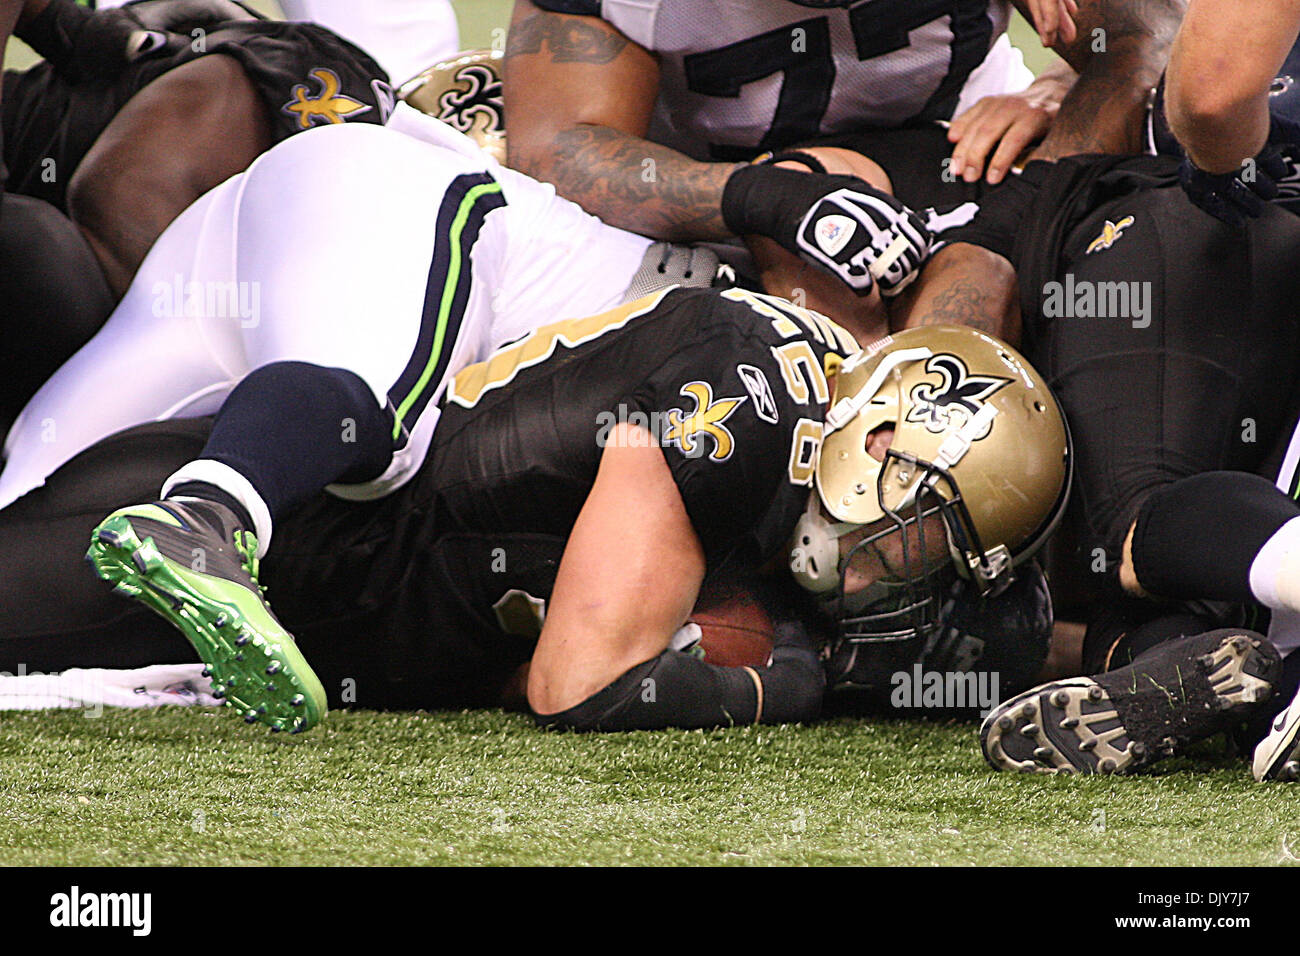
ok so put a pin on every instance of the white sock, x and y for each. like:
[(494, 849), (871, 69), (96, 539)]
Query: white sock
[(1275, 572), (233, 484)]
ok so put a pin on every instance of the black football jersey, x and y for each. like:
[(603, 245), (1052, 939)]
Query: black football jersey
[(731, 384), (305, 74)]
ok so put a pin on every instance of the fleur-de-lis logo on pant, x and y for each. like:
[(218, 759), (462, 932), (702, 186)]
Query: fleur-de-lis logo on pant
[(684, 430), (329, 106)]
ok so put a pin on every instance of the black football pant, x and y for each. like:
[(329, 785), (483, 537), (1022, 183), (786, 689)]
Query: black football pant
[(1201, 383)]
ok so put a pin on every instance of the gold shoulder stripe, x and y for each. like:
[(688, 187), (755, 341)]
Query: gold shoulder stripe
[(475, 381)]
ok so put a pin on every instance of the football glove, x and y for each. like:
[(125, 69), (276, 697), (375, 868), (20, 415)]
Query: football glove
[(1240, 195), (839, 223)]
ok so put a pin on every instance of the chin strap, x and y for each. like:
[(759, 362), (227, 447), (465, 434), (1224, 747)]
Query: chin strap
[(846, 409)]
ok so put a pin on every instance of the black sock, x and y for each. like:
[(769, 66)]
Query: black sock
[(292, 428), (201, 489)]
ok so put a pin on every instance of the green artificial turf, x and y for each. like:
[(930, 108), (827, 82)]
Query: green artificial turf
[(196, 788)]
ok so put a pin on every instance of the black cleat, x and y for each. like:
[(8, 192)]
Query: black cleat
[(1177, 693)]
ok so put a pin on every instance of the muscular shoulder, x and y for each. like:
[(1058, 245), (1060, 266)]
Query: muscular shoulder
[(738, 413)]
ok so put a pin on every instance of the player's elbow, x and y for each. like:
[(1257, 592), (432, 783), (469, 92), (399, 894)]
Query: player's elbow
[(1200, 108)]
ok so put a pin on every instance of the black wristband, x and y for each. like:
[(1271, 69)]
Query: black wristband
[(768, 201), (792, 156)]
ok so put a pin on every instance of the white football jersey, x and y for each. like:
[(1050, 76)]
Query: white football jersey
[(742, 76)]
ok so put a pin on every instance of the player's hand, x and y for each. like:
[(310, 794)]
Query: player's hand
[(112, 39), (1239, 195), (794, 681), (1004, 125), (170, 15), (839, 223), (1054, 20)]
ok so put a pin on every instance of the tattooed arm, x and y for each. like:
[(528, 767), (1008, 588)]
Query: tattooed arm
[(962, 284), (579, 95), (1119, 51)]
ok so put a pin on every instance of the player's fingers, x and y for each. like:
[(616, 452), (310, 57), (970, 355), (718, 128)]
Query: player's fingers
[(1013, 143), (958, 130), (958, 126), (975, 145), (1068, 31), (1045, 14)]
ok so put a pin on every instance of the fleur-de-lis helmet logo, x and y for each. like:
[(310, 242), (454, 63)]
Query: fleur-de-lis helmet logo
[(480, 98), (954, 399)]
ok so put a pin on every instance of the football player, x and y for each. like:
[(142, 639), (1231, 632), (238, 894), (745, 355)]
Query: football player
[(639, 112), (414, 236), (133, 115), (1167, 336), (222, 290), (581, 487)]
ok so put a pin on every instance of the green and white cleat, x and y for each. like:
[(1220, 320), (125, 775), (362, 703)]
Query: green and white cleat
[(193, 564)]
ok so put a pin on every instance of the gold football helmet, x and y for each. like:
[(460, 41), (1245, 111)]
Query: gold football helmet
[(978, 439), (465, 93)]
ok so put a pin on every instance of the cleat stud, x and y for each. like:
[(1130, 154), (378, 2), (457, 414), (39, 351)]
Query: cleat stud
[(297, 700), (272, 688), (221, 620), (239, 657), (1137, 748), (1029, 730), (273, 667), (206, 672), (1095, 693), (1028, 710), (275, 728), (250, 717), (1043, 753), (1059, 698), (241, 640), (1088, 744), (1107, 765), (1240, 643), (1069, 723)]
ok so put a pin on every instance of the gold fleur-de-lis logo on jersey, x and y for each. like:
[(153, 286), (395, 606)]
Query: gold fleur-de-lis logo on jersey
[(684, 430), (1110, 234), (326, 107)]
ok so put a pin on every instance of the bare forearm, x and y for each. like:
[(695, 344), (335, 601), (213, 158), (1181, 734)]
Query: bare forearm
[(962, 284), (1120, 53), (1222, 65), (634, 184)]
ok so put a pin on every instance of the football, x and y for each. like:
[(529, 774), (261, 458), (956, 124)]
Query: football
[(735, 631)]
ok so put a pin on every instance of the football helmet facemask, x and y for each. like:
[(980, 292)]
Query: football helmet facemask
[(979, 447), (465, 93)]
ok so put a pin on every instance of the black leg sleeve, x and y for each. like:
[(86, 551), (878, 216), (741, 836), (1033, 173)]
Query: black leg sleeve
[(1197, 538)]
